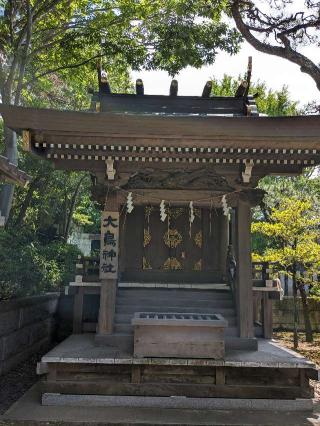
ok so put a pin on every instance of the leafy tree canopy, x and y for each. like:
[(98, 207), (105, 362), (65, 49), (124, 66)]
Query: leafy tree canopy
[(293, 232), (45, 42), (270, 102), (48, 37)]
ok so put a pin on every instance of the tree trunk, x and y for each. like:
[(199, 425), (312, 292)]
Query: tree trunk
[(72, 207), (295, 310), (11, 152), (36, 183), (306, 313)]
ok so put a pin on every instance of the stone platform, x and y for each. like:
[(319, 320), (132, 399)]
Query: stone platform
[(78, 367), (29, 411)]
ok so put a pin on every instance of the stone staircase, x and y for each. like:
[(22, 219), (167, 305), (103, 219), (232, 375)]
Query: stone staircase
[(182, 300)]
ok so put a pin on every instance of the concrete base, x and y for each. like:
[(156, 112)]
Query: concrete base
[(177, 402), (82, 348), (124, 342), (29, 411)]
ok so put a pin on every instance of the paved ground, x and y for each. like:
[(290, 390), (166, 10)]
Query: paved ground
[(15, 383), (29, 408)]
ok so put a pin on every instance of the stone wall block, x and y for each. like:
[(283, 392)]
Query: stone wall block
[(52, 306), (9, 321), (35, 313), (1, 349), (16, 342), (283, 314), (41, 330), (26, 326), (13, 360)]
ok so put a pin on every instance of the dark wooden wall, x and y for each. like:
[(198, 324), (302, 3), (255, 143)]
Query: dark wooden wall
[(132, 250)]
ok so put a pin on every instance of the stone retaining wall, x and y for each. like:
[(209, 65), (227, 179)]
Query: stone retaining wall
[(283, 314), (26, 326)]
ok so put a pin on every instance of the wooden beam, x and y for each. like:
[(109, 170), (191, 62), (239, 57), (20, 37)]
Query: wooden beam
[(207, 89), (262, 132), (241, 91), (78, 311), (10, 172), (224, 241), (139, 87), (173, 88), (26, 141), (109, 263), (244, 294), (267, 316)]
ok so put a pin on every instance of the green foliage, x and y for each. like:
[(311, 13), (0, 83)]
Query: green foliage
[(293, 233), (29, 267), (305, 186), (65, 38), (270, 102)]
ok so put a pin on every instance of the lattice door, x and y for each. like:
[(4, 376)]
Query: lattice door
[(172, 245)]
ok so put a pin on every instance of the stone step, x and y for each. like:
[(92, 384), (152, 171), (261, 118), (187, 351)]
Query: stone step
[(124, 341), (119, 340), (128, 329), (178, 293), (126, 318), (173, 302), (179, 402), (130, 310)]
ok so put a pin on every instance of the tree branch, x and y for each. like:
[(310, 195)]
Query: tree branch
[(24, 55), (286, 52)]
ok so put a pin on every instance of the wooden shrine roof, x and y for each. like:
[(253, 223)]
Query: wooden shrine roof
[(9, 172), (69, 136), (178, 105), (254, 131)]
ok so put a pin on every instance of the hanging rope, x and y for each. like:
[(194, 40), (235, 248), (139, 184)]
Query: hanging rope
[(199, 200)]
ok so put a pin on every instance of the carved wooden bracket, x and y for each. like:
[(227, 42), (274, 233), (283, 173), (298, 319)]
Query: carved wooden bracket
[(110, 171), (246, 175)]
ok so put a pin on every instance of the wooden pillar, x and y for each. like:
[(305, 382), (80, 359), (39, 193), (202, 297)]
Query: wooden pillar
[(224, 242), (78, 310), (109, 261), (267, 316), (244, 294)]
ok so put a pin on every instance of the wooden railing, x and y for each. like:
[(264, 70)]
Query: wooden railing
[(263, 271), (266, 287), (87, 269)]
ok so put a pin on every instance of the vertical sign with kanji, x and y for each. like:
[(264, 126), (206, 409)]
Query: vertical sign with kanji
[(109, 245)]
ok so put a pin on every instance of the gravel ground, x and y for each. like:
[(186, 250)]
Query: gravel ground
[(15, 383), (309, 350)]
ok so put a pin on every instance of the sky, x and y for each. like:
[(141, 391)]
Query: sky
[(276, 72)]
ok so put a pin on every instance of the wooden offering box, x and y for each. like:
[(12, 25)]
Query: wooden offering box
[(179, 335)]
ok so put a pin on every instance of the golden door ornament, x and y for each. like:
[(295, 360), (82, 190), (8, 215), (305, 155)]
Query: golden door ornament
[(175, 212), (172, 238), (146, 237), (145, 263), (198, 266), (172, 263), (198, 239)]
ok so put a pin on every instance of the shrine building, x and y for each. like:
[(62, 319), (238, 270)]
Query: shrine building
[(180, 308)]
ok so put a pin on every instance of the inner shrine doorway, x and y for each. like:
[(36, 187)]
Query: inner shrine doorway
[(174, 250)]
